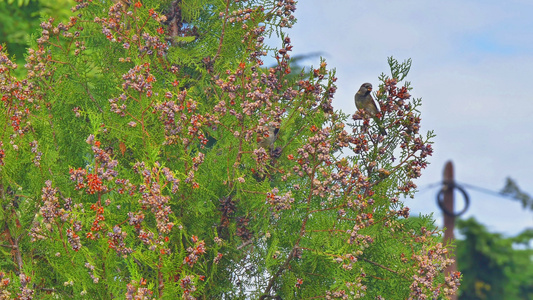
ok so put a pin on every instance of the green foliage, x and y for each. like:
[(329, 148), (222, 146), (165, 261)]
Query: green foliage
[(20, 19), (399, 70), (149, 153), (492, 268)]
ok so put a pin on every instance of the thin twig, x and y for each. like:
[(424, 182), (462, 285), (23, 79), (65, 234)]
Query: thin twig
[(248, 242), (382, 266), (223, 30)]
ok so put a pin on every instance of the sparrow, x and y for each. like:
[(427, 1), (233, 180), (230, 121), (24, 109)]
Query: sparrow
[(125, 3), (364, 101), (267, 141)]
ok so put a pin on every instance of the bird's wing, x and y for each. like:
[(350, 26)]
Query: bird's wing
[(373, 104), (358, 100)]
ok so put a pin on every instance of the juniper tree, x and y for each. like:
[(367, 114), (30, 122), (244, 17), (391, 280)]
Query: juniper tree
[(133, 165)]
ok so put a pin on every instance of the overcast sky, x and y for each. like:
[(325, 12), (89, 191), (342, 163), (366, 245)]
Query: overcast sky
[(472, 63)]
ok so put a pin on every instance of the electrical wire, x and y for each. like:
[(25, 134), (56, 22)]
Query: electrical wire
[(468, 186), (486, 191), (460, 187)]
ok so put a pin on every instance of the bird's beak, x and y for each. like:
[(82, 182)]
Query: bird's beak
[(369, 89)]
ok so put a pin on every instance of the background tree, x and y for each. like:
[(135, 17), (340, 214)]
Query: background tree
[(19, 20), (133, 164), (493, 268)]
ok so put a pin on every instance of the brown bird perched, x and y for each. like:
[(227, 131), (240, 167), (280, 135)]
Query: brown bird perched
[(364, 101), (267, 141), (125, 3)]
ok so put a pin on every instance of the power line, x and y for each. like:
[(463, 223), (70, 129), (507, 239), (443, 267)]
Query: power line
[(485, 190), (429, 186), (468, 186)]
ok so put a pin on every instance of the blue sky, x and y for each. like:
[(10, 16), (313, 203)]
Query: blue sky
[(472, 64)]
